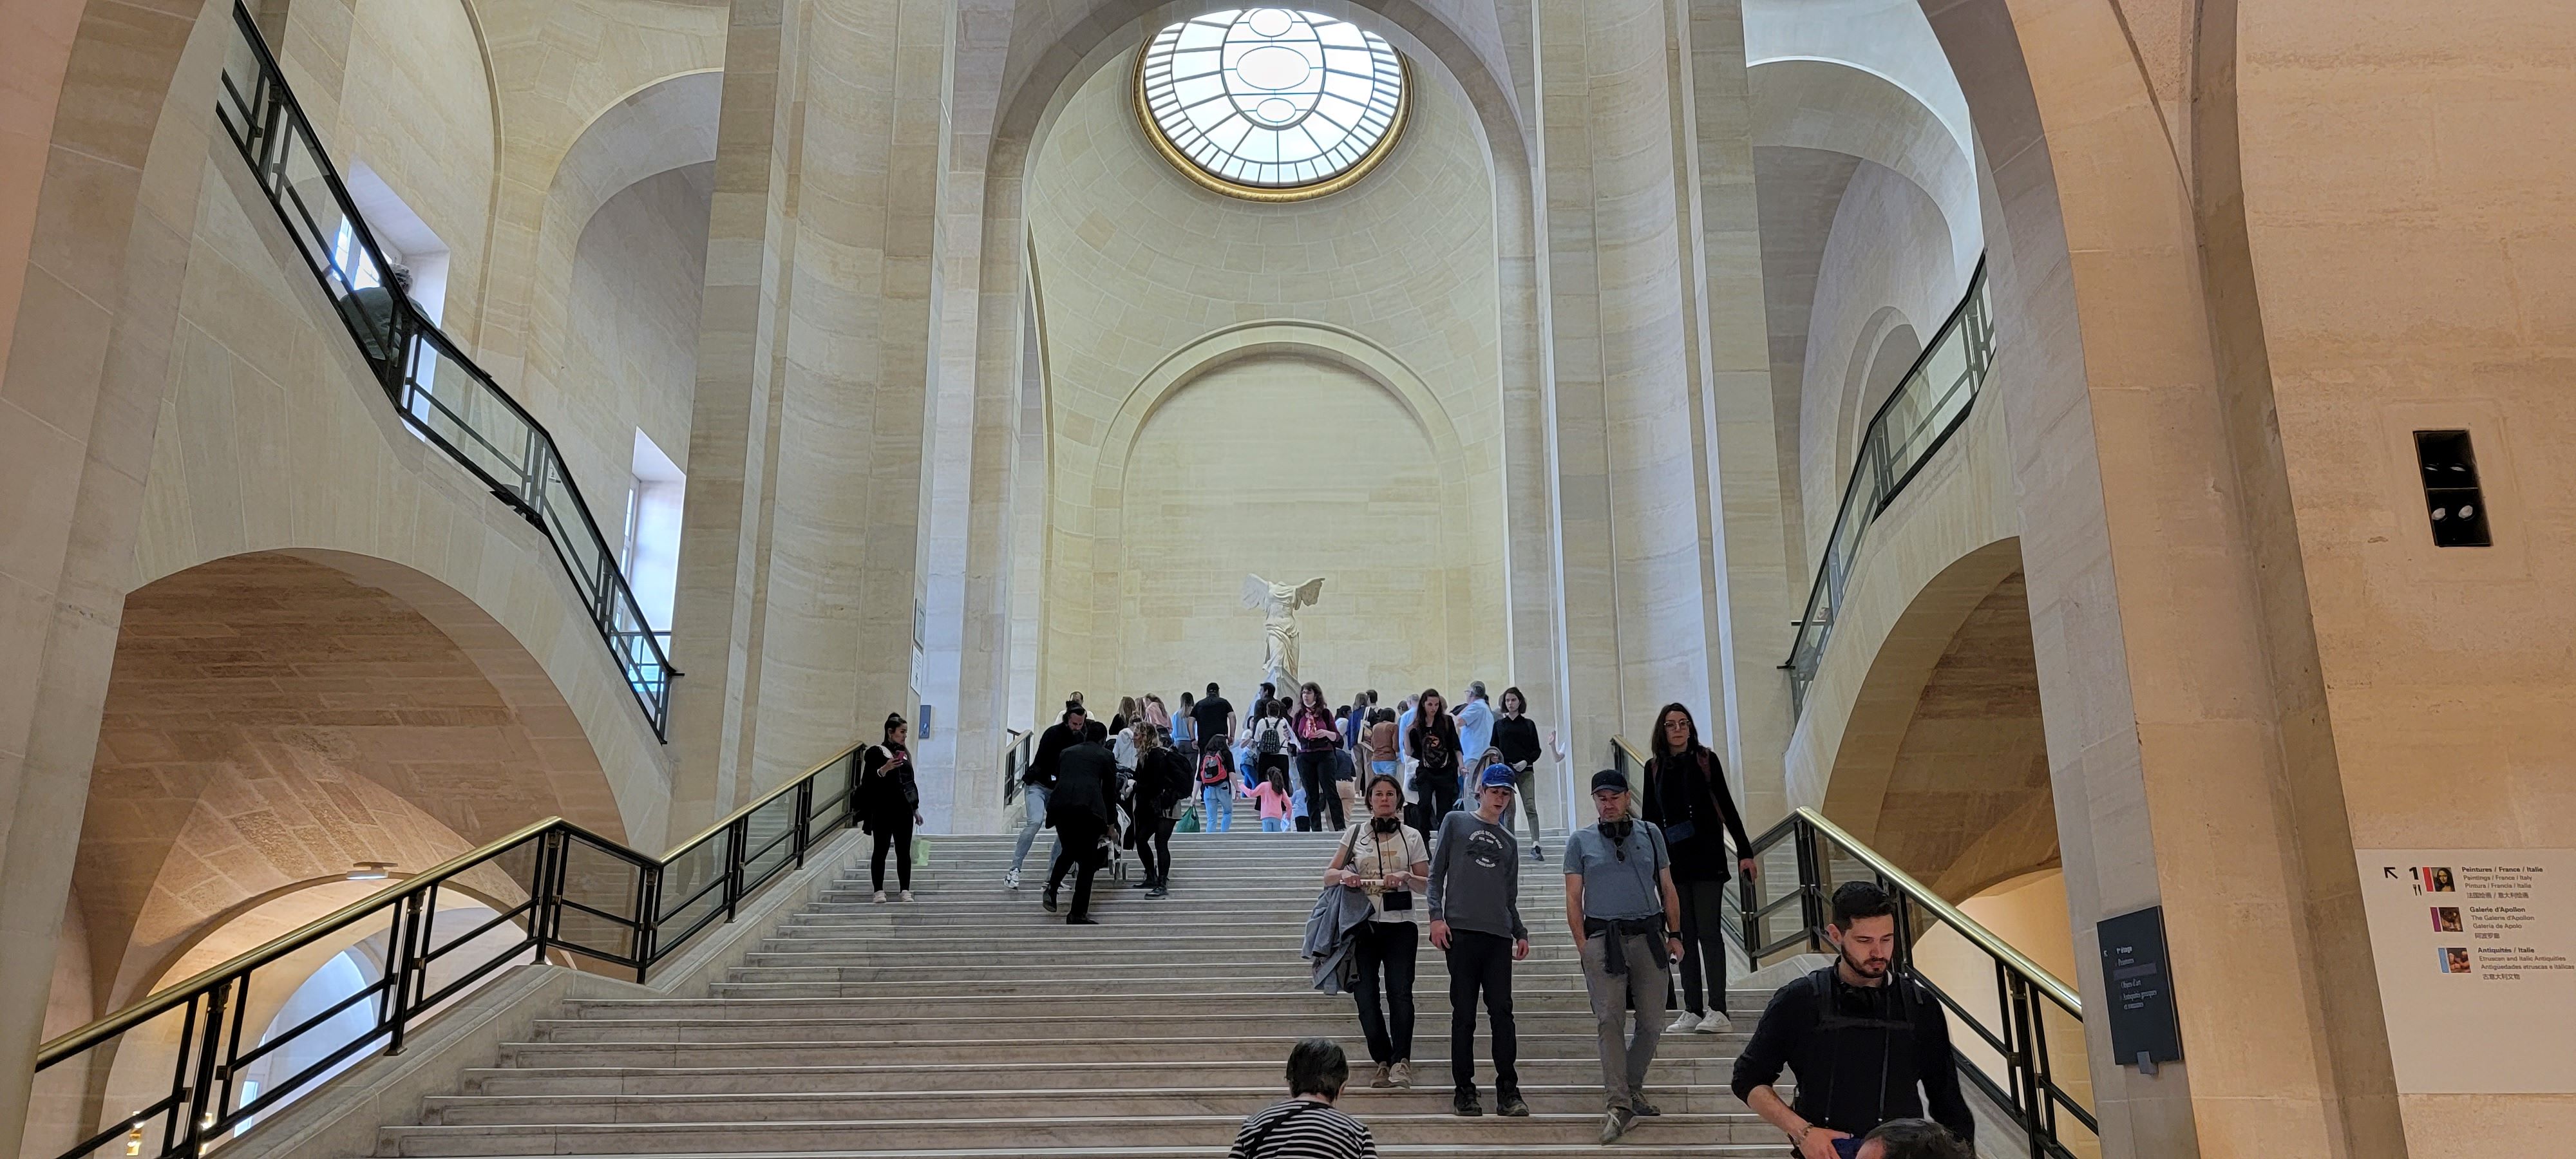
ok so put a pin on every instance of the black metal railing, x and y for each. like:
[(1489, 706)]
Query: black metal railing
[(1018, 748), (439, 391), (179, 1071), (1929, 404), (2033, 1026)]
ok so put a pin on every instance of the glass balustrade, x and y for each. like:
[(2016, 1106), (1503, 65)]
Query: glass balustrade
[(1930, 403), (436, 388)]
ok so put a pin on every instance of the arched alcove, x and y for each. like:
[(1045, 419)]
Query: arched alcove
[(272, 720)]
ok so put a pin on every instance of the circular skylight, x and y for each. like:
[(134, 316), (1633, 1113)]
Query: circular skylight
[(1271, 103)]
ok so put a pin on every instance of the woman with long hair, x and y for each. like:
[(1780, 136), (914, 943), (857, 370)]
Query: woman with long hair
[(1686, 796), (1386, 859), (1318, 737), (1433, 741), (1162, 791), (1516, 738), (889, 805)]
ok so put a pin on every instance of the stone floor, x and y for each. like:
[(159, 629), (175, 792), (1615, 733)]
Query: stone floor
[(973, 1025)]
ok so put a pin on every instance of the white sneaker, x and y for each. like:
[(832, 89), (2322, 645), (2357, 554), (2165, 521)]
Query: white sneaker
[(879, 898), (907, 895), (1717, 1022), (1683, 1023), (1011, 878)]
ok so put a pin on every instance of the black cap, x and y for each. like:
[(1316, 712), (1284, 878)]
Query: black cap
[(1609, 779)]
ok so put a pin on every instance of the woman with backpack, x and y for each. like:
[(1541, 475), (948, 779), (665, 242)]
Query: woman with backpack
[(889, 805), (1216, 788), (1272, 742), (1319, 739)]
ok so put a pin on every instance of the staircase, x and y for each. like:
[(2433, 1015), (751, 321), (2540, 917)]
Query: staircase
[(973, 1025)]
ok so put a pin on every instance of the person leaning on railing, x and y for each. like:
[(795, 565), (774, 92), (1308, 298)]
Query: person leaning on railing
[(1861, 1036)]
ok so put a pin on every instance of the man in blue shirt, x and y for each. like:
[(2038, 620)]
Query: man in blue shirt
[(1626, 916), (1475, 725)]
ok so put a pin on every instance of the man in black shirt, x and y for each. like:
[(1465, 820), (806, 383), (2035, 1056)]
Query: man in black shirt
[(1860, 1035), (1037, 783), (1083, 809), (1215, 716)]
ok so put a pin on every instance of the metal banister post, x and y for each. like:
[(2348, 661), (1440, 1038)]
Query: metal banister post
[(192, 1126), (400, 969), (804, 820), (737, 835)]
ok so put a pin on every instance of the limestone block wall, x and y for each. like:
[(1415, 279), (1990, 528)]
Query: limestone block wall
[(1353, 493), (1136, 267), (1888, 262), (272, 436), (631, 336)]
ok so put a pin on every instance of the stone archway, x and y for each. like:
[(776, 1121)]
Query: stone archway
[(273, 719)]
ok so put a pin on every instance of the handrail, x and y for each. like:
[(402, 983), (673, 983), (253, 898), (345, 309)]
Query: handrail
[(2028, 1092), (440, 393), (1915, 421), (554, 886), (1016, 755)]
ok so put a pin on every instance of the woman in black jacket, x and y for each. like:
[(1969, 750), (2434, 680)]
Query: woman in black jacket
[(1162, 787), (889, 805), (1437, 761), (1686, 796)]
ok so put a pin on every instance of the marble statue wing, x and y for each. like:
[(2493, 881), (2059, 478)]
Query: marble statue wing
[(1309, 592), (1256, 593)]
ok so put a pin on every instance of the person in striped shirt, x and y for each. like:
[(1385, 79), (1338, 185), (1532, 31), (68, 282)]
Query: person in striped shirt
[(1307, 1126)]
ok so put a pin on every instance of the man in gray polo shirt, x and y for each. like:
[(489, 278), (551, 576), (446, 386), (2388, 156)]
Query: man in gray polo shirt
[(1621, 905)]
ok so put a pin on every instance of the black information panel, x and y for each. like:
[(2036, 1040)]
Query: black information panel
[(2143, 1031)]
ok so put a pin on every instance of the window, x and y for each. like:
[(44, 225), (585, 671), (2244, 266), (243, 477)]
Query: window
[(1270, 103), (651, 551)]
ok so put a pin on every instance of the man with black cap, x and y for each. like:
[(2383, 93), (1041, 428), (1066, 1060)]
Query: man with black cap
[(1625, 914), (1037, 782), (1474, 901)]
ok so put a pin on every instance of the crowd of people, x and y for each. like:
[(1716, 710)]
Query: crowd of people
[(1422, 794), (1643, 890), (1287, 762)]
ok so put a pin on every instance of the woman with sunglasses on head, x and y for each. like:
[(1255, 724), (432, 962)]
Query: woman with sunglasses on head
[(1686, 795), (1388, 860)]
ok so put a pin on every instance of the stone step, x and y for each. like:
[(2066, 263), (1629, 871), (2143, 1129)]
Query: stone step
[(1037, 1133), (1262, 1074), (1001, 1105), (1075, 1019), (1584, 1150), (1269, 1047)]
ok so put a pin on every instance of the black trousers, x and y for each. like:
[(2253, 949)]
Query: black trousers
[(1481, 964), (1703, 945), (896, 834), (1323, 788), (1081, 851), (1435, 797), (1385, 952), (1154, 848)]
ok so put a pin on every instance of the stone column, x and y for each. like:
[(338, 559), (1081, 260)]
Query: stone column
[(797, 577), (1628, 477), (1754, 593)]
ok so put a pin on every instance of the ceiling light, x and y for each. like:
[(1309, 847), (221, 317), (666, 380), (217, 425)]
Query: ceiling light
[(371, 871)]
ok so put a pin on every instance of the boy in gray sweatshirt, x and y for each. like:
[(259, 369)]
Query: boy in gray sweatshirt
[(1476, 920)]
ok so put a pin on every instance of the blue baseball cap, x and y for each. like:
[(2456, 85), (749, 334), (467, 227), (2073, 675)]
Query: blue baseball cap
[(1497, 777)]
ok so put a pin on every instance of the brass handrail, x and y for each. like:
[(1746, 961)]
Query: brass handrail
[(1950, 915), (784, 787), (170, 997)]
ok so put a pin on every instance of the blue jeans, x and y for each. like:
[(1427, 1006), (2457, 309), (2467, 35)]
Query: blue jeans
[(1216, 808), (1274, 824), (1036, 796)]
